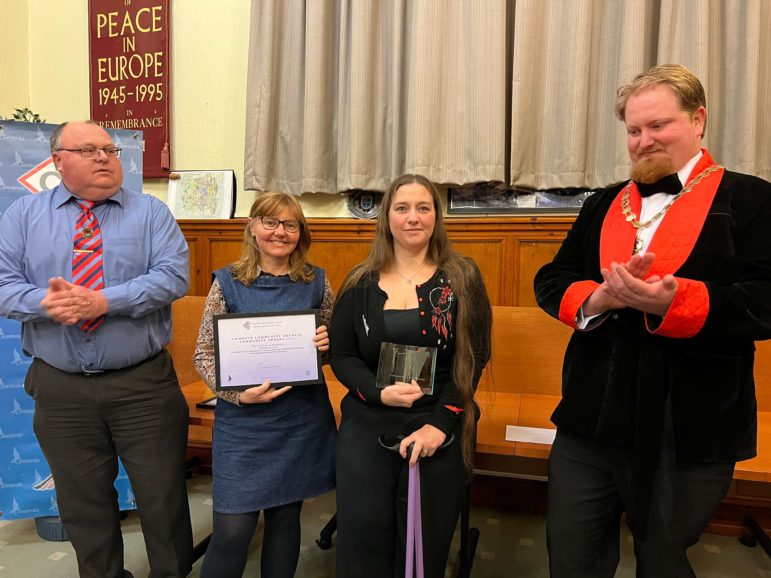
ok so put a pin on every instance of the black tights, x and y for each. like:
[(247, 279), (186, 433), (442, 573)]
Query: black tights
[(232, 534)]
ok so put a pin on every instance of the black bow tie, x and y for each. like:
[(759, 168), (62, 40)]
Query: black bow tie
[(669, 184)]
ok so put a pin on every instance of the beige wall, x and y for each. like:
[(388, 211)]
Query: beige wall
[(44, 65), (14, 56)]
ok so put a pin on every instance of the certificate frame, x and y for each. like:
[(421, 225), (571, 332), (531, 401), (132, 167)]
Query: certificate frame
[(273, 346), (202, 194)]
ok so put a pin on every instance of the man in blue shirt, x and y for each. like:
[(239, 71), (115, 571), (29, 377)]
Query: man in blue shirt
[(91, 269)]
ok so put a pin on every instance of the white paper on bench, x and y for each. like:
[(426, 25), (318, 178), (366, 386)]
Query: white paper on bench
[(533, 435)]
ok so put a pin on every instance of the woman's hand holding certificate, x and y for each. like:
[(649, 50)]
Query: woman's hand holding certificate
[(264, 393), (321, 339)]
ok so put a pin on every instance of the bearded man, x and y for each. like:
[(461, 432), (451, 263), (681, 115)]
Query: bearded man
[(666, 280)]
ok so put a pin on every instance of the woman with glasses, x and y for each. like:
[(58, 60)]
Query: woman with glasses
[(413, 289), (271, 448)]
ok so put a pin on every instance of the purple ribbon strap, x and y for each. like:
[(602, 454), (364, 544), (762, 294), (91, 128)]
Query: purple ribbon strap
[(414, 525)]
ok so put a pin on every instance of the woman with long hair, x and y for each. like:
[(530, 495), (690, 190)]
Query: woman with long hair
[(271, 447), (412, 289)]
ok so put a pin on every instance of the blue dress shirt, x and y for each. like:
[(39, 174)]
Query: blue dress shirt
[(145, 268)]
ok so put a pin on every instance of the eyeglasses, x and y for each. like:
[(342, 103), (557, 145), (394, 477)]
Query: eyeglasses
[(272, 223), (93, 152)]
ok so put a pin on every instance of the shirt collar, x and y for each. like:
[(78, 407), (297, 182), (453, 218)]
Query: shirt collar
[(62, 195), (685, 172)]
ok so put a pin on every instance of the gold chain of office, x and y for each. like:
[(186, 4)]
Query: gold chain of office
[(626, 207)]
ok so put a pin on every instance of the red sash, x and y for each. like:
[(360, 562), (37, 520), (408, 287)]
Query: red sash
[(679, 228), (672, 244)]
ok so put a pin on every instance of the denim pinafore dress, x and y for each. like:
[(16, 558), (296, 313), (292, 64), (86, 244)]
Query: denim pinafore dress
[(267, 455)]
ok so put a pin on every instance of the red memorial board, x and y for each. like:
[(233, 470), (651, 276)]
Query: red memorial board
[(129, 42)]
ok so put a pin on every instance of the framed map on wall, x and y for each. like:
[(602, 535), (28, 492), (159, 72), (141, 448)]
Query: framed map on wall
[(202, 194)]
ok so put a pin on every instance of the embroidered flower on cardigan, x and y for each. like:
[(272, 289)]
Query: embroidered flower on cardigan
[(441, 299)]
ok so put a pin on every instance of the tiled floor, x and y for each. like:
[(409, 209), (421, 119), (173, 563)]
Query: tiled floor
[(511, 545)]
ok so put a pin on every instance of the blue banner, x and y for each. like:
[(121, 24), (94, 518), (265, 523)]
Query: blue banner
[(26, 487)]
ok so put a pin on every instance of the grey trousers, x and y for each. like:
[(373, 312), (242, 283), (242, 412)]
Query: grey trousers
[(83, 424), (589, 488)]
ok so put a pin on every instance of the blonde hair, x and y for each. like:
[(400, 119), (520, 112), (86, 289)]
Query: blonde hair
[(270, 205), (686, 86), (474, 315)]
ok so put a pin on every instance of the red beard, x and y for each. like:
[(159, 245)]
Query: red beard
[(648, 170)]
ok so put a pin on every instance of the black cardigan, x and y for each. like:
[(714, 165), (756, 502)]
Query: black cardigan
[(358, 328)]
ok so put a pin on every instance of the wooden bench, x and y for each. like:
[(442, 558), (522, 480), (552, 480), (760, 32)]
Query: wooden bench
[(186, 318), (521, 387)]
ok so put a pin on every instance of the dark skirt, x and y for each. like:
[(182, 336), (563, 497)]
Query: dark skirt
[(267, 455)]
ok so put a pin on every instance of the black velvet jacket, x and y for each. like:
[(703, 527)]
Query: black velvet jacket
[(619, 376)]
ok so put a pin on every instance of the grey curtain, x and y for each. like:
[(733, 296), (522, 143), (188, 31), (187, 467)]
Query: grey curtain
[(350, 94)]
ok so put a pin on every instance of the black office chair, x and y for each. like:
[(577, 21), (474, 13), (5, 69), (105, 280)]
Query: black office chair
[(324, 541), (757, 535), (469, 538), (199, 549)]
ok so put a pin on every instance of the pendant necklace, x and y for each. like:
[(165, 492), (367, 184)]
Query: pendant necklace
[(408, 280)]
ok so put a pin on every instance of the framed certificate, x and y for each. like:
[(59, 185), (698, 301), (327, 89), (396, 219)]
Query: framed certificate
[(251, 348)]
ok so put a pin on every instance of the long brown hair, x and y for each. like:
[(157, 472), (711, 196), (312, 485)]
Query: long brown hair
[(474, 316), (270, 205)]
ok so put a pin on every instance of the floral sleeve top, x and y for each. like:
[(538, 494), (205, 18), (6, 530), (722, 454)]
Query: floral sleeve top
[(203, 358)]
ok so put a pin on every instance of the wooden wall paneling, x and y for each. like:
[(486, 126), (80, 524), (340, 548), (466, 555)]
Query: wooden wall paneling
[(199, 235), (490, 256), (195, 267), (508, 249), (510, 271), (338, 245), (338, 257), (222, 251), (533, 350), (533, 254), (516, 270)]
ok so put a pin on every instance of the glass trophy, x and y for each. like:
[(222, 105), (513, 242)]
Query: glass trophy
[(405, 363)]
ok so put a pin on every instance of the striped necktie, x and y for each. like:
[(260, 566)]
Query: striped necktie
[(87, 257)]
